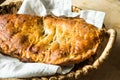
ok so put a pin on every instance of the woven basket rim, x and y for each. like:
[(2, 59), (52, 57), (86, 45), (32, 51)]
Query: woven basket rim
[(84, 70)]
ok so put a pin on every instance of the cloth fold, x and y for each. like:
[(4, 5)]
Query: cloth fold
[(13, 68)]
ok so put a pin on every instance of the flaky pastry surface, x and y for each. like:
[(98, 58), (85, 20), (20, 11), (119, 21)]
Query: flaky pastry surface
[(49, 39)]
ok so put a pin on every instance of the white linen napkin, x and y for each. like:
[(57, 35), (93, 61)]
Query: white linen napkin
[(93, 17), (13, 68)]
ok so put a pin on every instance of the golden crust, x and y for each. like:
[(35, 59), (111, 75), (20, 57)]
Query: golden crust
[(49, 39)]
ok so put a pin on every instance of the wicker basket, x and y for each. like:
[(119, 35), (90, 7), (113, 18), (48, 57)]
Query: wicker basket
[(79, 69)]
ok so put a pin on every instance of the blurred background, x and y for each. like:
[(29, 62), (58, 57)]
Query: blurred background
[(1, 1), (110, 69)]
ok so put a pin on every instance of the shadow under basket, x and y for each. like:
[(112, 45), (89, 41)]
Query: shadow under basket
[(82, 68)]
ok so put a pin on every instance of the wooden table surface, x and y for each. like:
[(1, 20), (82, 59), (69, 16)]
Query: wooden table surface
[(110, 69)]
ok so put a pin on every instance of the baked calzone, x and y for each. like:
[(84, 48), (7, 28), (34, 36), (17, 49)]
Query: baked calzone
[(49, 39)]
